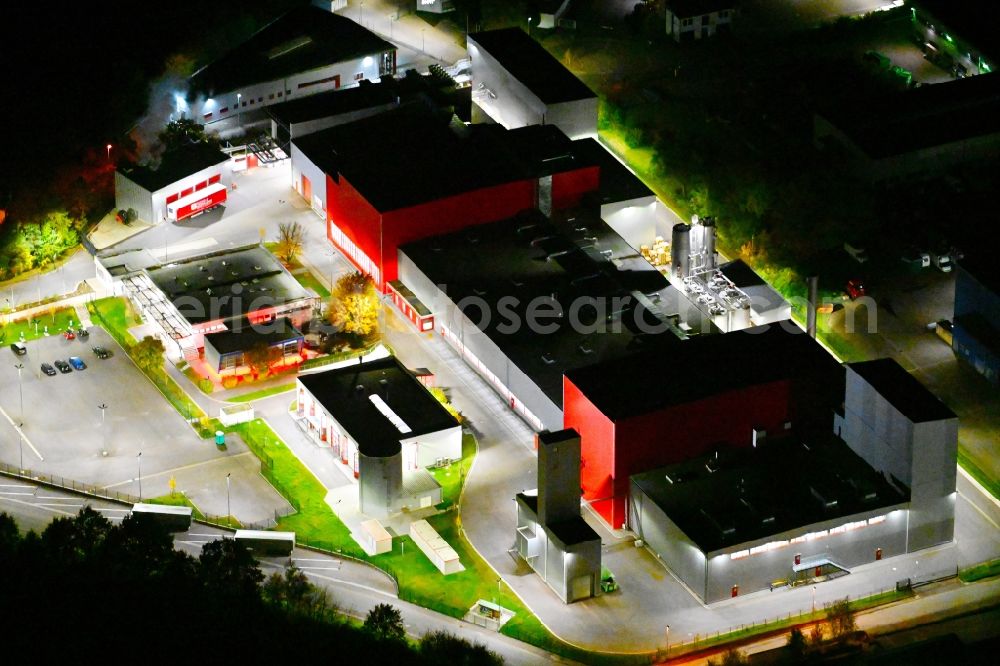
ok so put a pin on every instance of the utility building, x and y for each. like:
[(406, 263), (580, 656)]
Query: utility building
[(903, 431), (552, 537), (184, 182), (385, 426), (516, 82), (303, 52)]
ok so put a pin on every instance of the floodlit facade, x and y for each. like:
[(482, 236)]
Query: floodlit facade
[(186, 182), (385, 427), (976, 337), (516, 82), (303, 52), (698, 19), (243, 296), (409, 174), (552, 537)]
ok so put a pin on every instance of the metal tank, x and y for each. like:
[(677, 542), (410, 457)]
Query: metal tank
[(709, 242), (680, 251), (380, 482)]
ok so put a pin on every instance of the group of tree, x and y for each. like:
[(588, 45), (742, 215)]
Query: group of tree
[(123, 592), (353, 311), (37, 242)]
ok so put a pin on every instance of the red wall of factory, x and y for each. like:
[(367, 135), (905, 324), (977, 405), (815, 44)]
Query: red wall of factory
[(452, 214), (611, 451), (569, 187), (354, 216), (362, 223)]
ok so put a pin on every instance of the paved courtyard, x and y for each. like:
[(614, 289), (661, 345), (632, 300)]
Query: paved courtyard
[(64, 435)]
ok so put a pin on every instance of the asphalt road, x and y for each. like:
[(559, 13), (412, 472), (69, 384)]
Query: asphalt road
[(354, 588)]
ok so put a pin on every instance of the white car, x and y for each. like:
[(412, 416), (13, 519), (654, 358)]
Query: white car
[(943, 262)]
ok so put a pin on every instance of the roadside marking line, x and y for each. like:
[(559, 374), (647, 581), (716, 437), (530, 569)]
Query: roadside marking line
[(334, 580), (978, 486), (206, 534), (314, 559), (8, 492), (178, 469), (17, 501), (101, 508), (981, 512), (16, 485), (20, 432), (68, 506)]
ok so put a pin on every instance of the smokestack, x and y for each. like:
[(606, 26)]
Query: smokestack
[(812, 286)]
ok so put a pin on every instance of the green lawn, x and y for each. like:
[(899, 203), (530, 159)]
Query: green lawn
[(981, 571), (315, 524), (452, 476), (991, 485), (263, 393), (309, 281), (115, 315), (177, 499), (57, 322)]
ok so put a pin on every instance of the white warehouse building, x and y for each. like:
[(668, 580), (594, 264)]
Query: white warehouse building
[(186, 182), (304, 52), (516, 82)]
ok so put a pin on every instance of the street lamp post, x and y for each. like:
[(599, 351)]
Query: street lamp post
[(104, 432), (814, 598), (109, 151), (668, 640), (229, 511), (423, 41), (361, 13), (138, 461), (20, 392), (239, 109)]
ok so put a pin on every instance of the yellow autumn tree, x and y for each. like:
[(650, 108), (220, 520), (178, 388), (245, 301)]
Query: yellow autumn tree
[(354, 307)]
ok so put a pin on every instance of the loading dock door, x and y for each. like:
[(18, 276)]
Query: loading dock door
[(307, 190)]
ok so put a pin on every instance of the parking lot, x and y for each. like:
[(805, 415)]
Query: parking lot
[(64, 435)]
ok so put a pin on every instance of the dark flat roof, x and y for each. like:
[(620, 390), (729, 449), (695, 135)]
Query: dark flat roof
[(902, 390), (931, 115), (337, 390), (203, 288), (333, 103), (244, 335), (532, 65), (617, 182), (690, 8), (711, 364), (974, 22), (985, 270), (412, 155), (174, 165), (531, 259), (570, 532), (754, 493), (304, 39)]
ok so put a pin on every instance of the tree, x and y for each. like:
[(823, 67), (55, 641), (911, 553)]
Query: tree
[(184, 132), (731, 657), (441, 647), (290, 238), (841, 618), (796, 648), (354, 306), (148, 353), (293, 592), (385, 622), (229, 569), (259, 356)]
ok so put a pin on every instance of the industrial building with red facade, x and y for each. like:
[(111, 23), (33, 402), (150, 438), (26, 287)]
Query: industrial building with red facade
[(410, 173)]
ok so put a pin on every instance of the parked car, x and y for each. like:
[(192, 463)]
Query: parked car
[(77, 363), (857, 252), (82, 333), (101, 352), (69, 334), (19, 348), (63, 366), (855, 289), (942, 261), (916, 259), (48, 369)]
